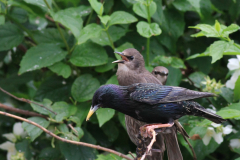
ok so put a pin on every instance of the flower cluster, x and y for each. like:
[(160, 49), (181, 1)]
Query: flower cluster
[(233, 65), (212, 86), (9, 146), (218, 134)]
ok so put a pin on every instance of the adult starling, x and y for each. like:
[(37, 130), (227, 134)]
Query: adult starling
[(131, 69), (161, 73)]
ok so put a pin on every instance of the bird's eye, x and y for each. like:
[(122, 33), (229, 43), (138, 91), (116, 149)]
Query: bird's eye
[(155, 72), (130, 58)]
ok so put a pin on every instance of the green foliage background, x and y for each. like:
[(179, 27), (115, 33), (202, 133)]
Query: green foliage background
[(58, 52)]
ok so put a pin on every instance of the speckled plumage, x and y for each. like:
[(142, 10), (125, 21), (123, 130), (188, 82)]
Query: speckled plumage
[(123, 99)]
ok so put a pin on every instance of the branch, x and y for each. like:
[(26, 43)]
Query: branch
[(28, 113), (65, 140), (26, 100)]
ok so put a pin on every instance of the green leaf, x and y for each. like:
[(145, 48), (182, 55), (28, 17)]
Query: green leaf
[(206, 30), (108, 157), (49, 153), (88, 54), (111, 130), (165, 61), (121, 17), (217, 49), (63, 110), (227, 113), (80, 131), (50, 36), (32, 130), (141, 9), (237, 90), (197, 78), (113, 80), (121, 48), (10, 35), (148, 30), (230, 29), (106, 67), (47, 103), (61, 69), (89, 31), (24, 146), (82, 112), (174, 76), (177, 63), (84, 87), (70, 18), (104, 19), (19, 14), (115, 34), (217, 26), (42, 55), (2, 19), (104, 115), (121, 118), (97, 6), (40, 3), (227, 94)]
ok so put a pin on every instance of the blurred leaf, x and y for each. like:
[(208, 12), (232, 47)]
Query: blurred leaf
[(165, 61), (197, 78), (206, 30), (108, 157), (141, 9), (217, 26), (174, 76), (237, 90), (42, 55), (106, 67), (227, 94), (72, 151), (32, 130), (104, 19), (227, 113), (84, 87), (148, 30), (49, 153), (70, 18), (104, 115), (111, 130), (24, 146), (115, 34), (80, 131), (89, 31), (112, 80), (97, 6), (40, 3), (121, 17), (230, 29), (63, 128), (88, 54), (47, 103), (19, 14), (63, 110), (217, 49), (61, 69), (10, 35), (84, 10), (2, 19), (121, 118), (82, 111), (50, 36)]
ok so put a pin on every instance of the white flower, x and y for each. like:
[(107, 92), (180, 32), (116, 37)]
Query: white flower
[(10, 147), (233, 64), (10, 137), (218, 137), (17, 129), (235, 143)]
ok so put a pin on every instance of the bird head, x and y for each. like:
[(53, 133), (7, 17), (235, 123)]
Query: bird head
[(161, 73), (103, 98), (131, 58)]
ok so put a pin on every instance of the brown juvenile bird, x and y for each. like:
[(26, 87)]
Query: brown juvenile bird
[(131, 69), (161, 73)]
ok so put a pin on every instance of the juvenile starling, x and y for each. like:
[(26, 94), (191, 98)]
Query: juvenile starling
[(161, 73), (131, 69)]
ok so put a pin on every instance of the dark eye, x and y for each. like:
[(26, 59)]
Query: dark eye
[(130, 58), (155, 72)]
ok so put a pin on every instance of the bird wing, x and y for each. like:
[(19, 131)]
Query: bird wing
[(155, 93)]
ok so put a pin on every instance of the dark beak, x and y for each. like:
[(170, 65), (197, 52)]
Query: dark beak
[(124, 58), (92, 110)]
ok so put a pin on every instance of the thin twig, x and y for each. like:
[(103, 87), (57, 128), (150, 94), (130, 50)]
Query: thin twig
[(131, 154), (149, 147), (27, 100), (20, 111), (52, 20), (70, 125), (65, 140)]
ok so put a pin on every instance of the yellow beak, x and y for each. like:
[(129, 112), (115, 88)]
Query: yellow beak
[(91, 111)]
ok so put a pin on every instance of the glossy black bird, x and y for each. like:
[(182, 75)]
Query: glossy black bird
[(152, 103), (131, 69)]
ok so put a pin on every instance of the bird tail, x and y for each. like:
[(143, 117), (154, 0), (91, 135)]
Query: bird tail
[(199, 110)]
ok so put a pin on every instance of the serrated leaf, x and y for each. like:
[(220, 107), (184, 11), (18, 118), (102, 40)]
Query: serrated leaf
[(61, 69), (42, 55), (237, 90), (11, 36), (63, 110), (121, 17), (47, 103), (89, 31), (207, 30), (217, 49), (32, 130), (230, 29), (141, 9), (106, 67), (84, 87), (70, 18), (88, 54), (97, 6), (148, 30), (104, 115)]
